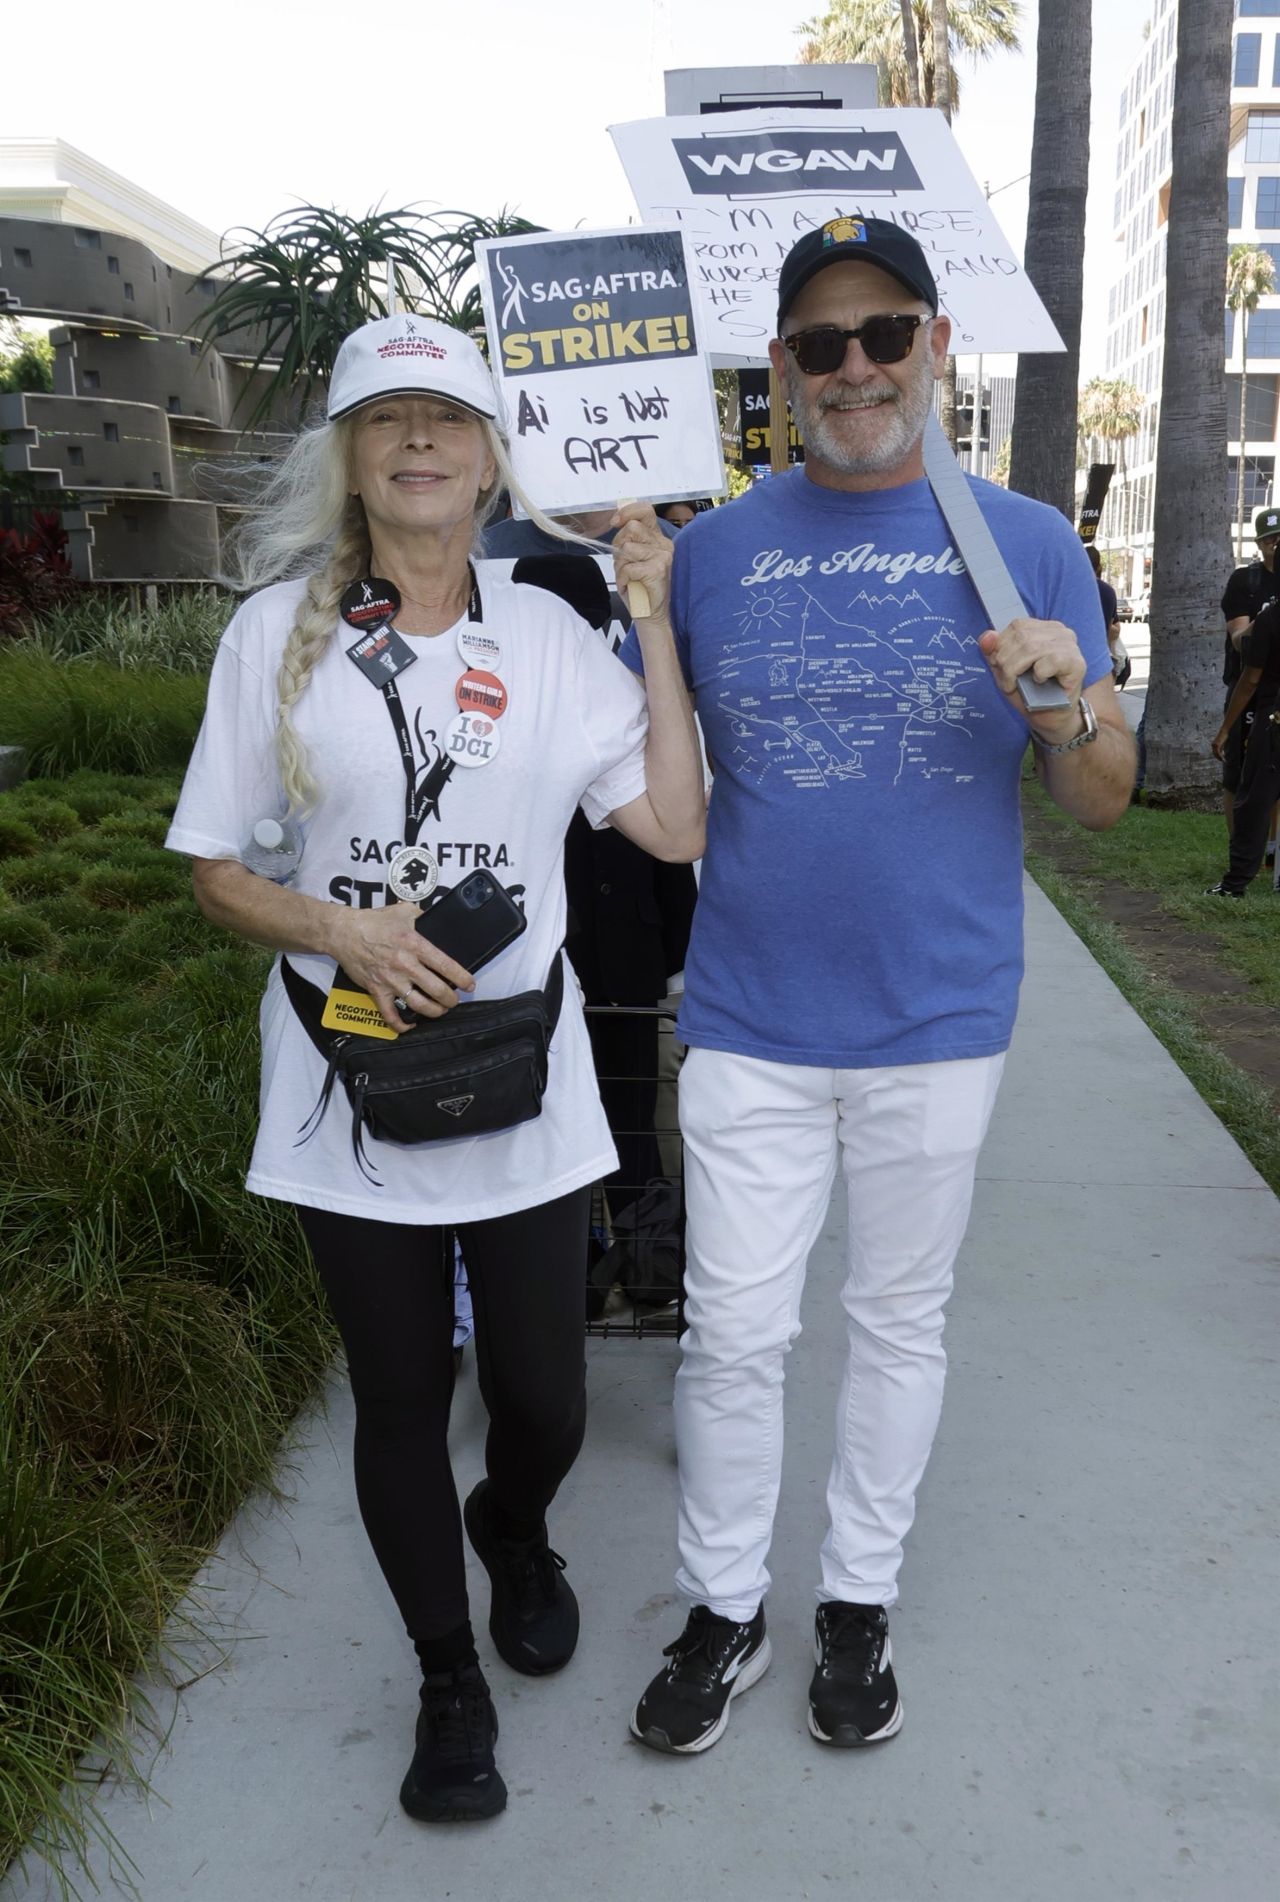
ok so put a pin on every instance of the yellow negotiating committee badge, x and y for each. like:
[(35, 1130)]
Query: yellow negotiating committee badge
[(354, 1011)]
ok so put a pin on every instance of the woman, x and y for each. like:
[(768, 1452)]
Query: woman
[(394, 489)]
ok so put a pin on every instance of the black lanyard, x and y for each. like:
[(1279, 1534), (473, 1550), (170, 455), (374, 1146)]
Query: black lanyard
[(422, 800)]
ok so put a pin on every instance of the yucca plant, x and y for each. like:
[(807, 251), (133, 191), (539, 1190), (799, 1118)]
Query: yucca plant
[(310, 276)]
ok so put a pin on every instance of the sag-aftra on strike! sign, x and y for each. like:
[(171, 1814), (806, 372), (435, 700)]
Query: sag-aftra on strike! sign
[(744, 186), (594, 340)]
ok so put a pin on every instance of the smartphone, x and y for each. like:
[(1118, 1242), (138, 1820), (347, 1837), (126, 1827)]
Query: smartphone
[(474, 921)]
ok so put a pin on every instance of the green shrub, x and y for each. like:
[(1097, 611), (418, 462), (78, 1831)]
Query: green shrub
[(45, 875), (98, 796), (23, 934), (17, 837), (179, 635), (159, 1329), (52, 819), (99, 716)]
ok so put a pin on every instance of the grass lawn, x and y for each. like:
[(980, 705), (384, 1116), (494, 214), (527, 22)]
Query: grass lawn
[(1203, 972)]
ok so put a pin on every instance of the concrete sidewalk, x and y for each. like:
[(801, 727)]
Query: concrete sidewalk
[(1087, 1641)]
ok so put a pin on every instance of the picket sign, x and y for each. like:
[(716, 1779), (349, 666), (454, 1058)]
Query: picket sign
[(744, 186), (597, 347)]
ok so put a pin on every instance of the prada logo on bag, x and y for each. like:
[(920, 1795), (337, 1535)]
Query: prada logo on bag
[(455, 1105)]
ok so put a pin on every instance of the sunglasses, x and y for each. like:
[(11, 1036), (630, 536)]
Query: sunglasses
[(883, 339)]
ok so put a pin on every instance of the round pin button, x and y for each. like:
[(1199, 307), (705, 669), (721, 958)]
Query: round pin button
[(473, 739), (413, 873), (479, 649), (369, 603), (478, 692)]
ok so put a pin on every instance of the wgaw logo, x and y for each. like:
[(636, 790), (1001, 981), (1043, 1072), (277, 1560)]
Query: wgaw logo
[(749, 164)]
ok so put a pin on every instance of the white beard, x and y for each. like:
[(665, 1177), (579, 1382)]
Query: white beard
[(898, 427)]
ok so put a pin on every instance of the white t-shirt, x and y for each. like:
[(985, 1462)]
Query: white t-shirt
[(573, 734)]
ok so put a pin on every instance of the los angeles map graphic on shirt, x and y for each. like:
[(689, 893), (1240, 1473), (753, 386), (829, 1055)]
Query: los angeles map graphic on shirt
[(877, 690)]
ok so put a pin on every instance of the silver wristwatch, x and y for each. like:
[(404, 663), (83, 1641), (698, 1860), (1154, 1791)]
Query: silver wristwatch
[(1081, 739)]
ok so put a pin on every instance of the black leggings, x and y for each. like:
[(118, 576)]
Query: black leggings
[(390, 1287)]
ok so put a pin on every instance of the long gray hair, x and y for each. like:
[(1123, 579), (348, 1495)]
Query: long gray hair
[(306, 521)]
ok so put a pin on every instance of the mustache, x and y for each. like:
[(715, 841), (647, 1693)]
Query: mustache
[(846, 397)]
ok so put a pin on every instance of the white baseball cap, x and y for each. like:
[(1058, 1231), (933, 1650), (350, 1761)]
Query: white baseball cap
[(409, 356)]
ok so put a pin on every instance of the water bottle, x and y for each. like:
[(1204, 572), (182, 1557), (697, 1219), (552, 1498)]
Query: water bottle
[(273, 850)]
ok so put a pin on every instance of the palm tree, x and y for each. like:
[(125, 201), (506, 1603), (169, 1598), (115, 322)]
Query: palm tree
[(1191, 535), (296, 288), (1110, 411), (1043, 463), (912, 44), (1250, 275), (874, 31), (911, 48)]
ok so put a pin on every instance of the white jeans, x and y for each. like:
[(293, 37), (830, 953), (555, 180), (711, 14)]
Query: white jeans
[(761, 1142)]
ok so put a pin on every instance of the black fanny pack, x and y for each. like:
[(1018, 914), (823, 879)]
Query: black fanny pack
[(480, 1068)]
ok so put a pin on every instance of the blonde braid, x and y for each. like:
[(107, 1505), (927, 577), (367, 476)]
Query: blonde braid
[(310, 634)]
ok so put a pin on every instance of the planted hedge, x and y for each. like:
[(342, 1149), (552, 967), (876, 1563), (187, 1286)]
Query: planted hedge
[(159, 1329)]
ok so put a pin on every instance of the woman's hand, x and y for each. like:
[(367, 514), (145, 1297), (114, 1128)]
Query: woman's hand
[(641, 552), (385, 954)]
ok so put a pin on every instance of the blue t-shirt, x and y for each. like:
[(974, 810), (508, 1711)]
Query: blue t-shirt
[(861, 896)]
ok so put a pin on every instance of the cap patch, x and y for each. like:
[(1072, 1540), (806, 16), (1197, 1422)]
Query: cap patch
[(1269, 521), (411, 347), (844, 231)]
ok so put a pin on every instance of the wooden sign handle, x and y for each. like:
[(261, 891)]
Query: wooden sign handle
[(779, 425), (637, 593)]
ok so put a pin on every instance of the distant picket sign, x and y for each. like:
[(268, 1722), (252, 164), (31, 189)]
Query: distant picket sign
[(744, 186), (597, 345)]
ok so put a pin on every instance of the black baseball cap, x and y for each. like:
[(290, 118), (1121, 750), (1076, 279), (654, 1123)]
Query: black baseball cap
[(860, 241)]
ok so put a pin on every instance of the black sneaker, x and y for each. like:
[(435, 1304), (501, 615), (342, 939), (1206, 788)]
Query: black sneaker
[(453, 1778), (533, 1618), (853, 1695), (1220, 891), (686, 1707)]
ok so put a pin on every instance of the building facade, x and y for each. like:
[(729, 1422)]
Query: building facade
[(1136, 303), (140, 445), (56, 183)]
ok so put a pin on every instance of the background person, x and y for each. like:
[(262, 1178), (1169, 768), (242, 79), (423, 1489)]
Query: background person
[(1258, 685), (393, 489), (1248, 591), (1121, 666), (680, 514), (629, 913), (839, 1012)]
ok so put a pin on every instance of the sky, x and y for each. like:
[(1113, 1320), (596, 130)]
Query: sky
[(235, 112)]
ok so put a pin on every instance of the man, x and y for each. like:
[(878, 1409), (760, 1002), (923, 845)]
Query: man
[(849, 995), (1258, 685), (1246, 594), (1121, 666)]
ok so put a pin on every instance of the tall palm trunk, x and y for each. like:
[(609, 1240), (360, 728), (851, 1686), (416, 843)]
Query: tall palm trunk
[(942, 59), (942, 100), (1244, 424), (911, 49), (1043, 463), (1191, 535)]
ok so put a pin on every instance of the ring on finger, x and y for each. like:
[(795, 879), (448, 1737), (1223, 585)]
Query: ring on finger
[(402, 1004)]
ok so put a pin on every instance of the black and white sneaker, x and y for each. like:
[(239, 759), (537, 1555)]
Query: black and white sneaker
[(453, 1777), (534, 1618), (686, 1707), (1220, 891), (853, 1695)]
